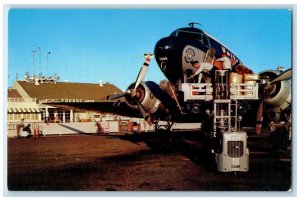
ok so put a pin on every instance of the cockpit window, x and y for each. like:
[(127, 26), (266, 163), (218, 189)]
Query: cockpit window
[(206, 41), (194, 36), (190, 35)]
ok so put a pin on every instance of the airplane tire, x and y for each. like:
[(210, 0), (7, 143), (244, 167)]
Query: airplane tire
[(161, 141), (280, 139)]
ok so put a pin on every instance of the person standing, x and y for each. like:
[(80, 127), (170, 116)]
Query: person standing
[(203, 67), (20, 127), (226, 62), (56, 119)]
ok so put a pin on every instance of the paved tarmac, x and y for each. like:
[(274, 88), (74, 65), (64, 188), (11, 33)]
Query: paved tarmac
[(111, 163)]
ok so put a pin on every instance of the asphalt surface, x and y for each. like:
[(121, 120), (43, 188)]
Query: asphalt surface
[(114, 163)]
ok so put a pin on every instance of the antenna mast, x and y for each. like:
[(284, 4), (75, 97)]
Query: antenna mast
[(191, 24), (33, 51)]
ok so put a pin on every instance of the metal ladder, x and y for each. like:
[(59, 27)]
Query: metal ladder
[(225, 109)]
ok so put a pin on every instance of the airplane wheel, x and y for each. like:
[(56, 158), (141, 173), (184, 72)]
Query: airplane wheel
[(161, 141), (280, 139)]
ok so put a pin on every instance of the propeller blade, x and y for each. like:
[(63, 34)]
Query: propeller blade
[(141, 76), (143, 71), (283, 76), (114, 96), (143, 112), (259, 117), (141, 109), (148, 55)]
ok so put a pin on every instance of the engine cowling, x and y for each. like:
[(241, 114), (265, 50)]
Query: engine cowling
[(144, 95), (278, 95), (156, 102)]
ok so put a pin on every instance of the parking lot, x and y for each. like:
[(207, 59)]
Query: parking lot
[(111, 163)]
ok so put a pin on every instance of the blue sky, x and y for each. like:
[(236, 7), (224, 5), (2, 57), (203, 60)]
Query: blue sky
[(108, 45)]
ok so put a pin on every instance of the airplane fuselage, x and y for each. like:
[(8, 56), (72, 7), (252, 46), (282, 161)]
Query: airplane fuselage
[(176, 53)]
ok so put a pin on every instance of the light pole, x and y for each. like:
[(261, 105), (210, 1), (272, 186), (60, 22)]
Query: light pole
[(33, 51), (40, 59), (47, 60)]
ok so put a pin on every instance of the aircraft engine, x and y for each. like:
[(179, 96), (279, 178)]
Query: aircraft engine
[(277, 95), (144, 95), (147, 97), (152, 99)]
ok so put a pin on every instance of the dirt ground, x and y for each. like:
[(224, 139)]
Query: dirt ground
[(108, 163)]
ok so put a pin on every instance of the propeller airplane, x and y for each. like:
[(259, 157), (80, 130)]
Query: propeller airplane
[(211, 86)]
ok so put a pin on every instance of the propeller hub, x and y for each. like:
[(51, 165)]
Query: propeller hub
[(128, 91), (139, 94)]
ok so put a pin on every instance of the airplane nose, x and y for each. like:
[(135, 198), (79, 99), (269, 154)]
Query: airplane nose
[(168, 54), (162, 53), (163, 44)]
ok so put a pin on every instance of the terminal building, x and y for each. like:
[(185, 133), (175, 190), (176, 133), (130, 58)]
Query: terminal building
[(27, 98)]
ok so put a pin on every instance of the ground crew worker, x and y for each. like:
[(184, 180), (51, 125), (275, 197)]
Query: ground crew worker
[(206, 66), (20, 127), (222, 89), (203, 67), (100, 129), (226, 62), (241, 69), (130, 125)]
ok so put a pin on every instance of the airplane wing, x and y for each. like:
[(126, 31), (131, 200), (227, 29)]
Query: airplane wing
[(118, 108)]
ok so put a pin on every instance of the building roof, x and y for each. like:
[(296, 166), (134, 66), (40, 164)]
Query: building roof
[(13, 93), (68, 90)]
